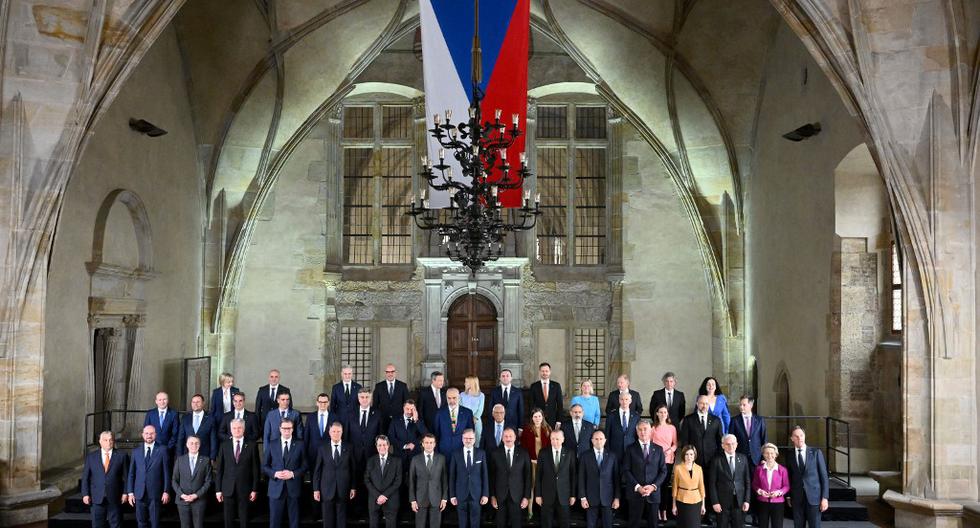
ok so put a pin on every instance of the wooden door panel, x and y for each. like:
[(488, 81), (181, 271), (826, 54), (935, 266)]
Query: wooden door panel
[(472, 341)]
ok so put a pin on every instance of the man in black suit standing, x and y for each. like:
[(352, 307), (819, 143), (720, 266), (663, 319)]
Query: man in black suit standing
[(284, 466), (493, 435), (252, 428), (511, 398), (333, 475), (431, 399), (343, 395), (578, 432), (671, 397), (103, 481), (644, 472), (363, 426), (623, 387), (554, 487), (236, 478), (510, 480), (599, 482), (730, 485), (317, 430), (200, 424), (267, 397), (621, 428), (702, 430), (389, 396), (808, 480), (405, 434), (546, 395), (383, 478)]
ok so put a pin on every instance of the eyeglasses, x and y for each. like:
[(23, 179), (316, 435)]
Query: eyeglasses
[(390, 371)]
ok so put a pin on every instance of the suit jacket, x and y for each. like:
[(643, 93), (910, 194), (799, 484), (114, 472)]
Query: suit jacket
[(427, 405), (619, 439), (313, 438), (186, 481), (385, 482), (689, 487), (242, 477), (428, 486), (295, 462), (218, 404), (264, 403), (270, 433), (468, 483), (749, 442), (677, 409), (811, 480), (555, 483), (554, 407), (150, 479), (599, 485), (513, 481), (780, 482), (102, 485), (451, 439), (334, 478), (340, 403), (488, 440), (253, 431), (707, 441), (167, 432), (399, 435), (637, 470), (514, 406), (362, 439), (724, 486), (389, 407), (636, 404), (207, 431), (584, 441)]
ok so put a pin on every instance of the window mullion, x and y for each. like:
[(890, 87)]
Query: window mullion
[(570, 187)]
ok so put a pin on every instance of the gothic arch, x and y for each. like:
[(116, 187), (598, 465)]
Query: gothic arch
[(141, 224)]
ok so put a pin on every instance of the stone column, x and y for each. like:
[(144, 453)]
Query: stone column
[(434, 335), (513, 306), (135, 330)]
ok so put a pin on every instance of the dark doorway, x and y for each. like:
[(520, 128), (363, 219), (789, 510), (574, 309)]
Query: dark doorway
[(472, 347)]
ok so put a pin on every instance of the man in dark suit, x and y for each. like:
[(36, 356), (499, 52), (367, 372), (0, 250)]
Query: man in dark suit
[(317, 430), (148, 481), (383, 478), (730, 485), (554, 487), (702, 430), (493, 434), (363, 426), (253, 431), (598, 482), (578, 432), (750, 430), (267, 397), (511, 398), (621, 427), (191, 480), (432, 399), (333, 478), (103, 481), (405, 433), (510, 480), (236, 478), (222, 398), (622, 387), (200, 424), (671, 397), (469, 485), (428, 484), (343, 395), (389, 396), (808, 480), (546, 395), (451, 422), (284, 465), (164, 422), (644, 472), (273, 418)]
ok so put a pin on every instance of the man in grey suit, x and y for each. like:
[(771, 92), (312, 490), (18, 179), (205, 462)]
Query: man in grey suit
[(383, 478), (428, 484), (191, 480)]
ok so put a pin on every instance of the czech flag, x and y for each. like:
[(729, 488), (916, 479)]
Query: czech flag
[(447, 41)]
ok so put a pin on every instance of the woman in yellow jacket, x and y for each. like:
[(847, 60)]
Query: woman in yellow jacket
[(688, 492)]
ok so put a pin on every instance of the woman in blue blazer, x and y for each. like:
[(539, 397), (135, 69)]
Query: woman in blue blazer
[(717, 403)]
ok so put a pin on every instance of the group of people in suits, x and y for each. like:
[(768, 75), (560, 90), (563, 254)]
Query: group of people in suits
[(376, 452)]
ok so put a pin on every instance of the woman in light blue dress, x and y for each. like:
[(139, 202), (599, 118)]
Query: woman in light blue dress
[(717, 403), (473, 399), (589, 403)]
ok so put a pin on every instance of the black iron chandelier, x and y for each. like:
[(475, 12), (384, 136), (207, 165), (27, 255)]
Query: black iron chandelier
[(472, 229)]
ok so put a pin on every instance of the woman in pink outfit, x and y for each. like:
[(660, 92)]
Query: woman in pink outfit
[(665, 435), (770, 483)]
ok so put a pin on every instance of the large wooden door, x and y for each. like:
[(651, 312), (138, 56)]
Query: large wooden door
[(472, 347)]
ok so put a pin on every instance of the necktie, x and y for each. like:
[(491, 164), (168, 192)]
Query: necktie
[(506, 395), (197, 421), (193, 460), (238, 449), (731, 464), (453, 416), (272, 393), (283, 413), (704, 422), (428, 461), (238, 415), (285, 451), (557, 457), (646, 451), (391, 389), (149, 454), (346, 390), (382, 466), (748, 425), (598, 458), (323, 422), (105, 463), (670, 397), (469, 460), (500, 431), (800, 459), (163, 414), (578, 429), (544, 390), (438, 398), (510, 458), (407, 421), (625, 423), (363, 419), (336, 453)]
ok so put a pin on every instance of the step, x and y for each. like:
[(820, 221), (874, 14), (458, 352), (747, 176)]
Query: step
[(846, 511), (841, 492)]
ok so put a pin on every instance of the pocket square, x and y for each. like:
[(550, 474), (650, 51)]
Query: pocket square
[(479, 461)]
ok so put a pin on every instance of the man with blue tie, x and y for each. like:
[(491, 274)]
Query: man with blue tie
[(191, 481), (103, 481), (621, 426), (493, 436), (644, 472), (317, 430), (284, 412), (598, 482), (284, 465), (749, 430), (511, 398), (808, 480), (148, 484), (469, 484), (164, 422), (198, 423), (343, 395), (451, 421)]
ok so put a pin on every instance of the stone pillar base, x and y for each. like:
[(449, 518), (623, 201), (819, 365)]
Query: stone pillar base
[(428, 367), (918, 512), (28, 507), (516, 367)]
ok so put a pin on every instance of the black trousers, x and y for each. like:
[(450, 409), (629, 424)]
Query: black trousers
[(508, 513), (805, 515), (557, 508), (640, 507), (598, 514), (333, 511), (688, 515), (667, 491), (389, 510), (109, 513), (770, 514), (232, 504)]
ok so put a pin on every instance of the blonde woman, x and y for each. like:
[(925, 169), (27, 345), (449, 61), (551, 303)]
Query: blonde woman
[(770, 484), (473, 399), (222, 396), (588, 401), (688, 484)]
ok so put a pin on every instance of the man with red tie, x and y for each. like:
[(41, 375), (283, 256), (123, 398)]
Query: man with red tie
[(236, 477), (103, 480)]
